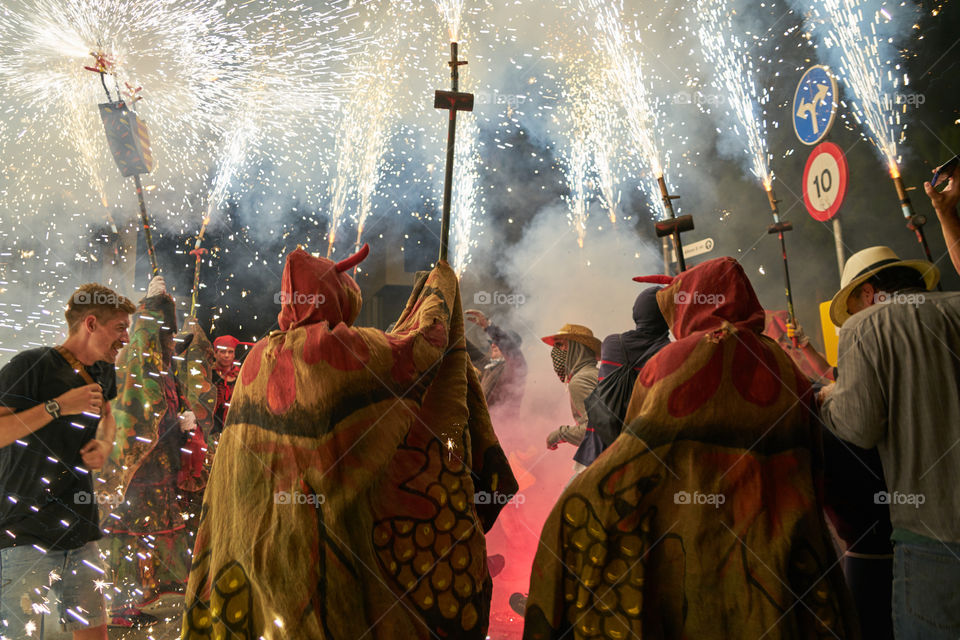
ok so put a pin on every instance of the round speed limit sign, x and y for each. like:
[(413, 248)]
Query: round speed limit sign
[(825, 181)]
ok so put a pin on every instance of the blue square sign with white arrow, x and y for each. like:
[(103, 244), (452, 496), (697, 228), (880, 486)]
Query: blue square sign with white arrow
[(814, 104)]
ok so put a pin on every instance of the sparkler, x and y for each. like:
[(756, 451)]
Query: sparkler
[(588, 118), (603, 153), (735, 77), (642, 111), (363, 136), (238, 142), (872, 80), (576, 161), (452, 12), (577, 114), (467, 179), (175, 49)]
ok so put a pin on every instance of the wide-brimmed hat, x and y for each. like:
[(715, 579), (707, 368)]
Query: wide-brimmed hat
[(576, 333), (864, 264)]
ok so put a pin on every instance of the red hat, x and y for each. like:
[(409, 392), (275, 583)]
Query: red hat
[(227, 342)]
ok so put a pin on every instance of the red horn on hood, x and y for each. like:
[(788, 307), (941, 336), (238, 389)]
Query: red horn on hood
[(354, 260), (656, 279)]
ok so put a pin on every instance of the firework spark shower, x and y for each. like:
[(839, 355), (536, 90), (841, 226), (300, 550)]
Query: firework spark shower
[(311, 123)]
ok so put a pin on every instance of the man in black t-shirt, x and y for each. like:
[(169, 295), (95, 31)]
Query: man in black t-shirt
[(55, 430)]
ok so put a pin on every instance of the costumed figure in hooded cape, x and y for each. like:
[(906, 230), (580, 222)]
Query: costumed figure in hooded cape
[(195, 374), (630, 349), (149, 545), (356, 475), (702, 520)]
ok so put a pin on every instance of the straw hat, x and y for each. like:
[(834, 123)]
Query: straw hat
[(576, 333), (864, 264)]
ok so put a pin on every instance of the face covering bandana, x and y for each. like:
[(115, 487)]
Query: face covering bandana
[(559, 357)]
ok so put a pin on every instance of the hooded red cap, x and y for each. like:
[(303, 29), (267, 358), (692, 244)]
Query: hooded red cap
[(318, 289), (703, 297)]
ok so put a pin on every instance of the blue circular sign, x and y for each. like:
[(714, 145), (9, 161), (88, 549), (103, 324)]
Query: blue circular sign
[(814, 104)]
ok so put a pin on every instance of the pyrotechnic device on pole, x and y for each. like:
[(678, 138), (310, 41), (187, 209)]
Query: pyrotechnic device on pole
[(453, 101), (198, 253), (129, 142), (778, 227), (673, 226), (914, 220)]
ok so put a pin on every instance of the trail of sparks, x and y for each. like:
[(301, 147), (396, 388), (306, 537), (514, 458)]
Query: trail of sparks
[(466, 182), (237, 144), (452, 12), (186, 53), (736, 78), (589, 121), (633, 81), (872, 81), (364, 136), (196, 61), (576, 114)]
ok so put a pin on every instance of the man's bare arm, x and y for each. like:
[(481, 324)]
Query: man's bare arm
[(107, 430), (13, 426)]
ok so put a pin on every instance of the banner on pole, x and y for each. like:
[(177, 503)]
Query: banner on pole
[(128, 138)]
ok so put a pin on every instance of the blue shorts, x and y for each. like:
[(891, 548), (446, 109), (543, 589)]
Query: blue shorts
[(34, 586)]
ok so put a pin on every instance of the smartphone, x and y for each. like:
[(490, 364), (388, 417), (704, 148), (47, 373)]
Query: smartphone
[(944, 171)]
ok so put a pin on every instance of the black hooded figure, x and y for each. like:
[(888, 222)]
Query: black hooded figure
[(632, 349)]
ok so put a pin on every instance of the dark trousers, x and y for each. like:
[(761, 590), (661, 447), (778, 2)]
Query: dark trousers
[(871, 584)]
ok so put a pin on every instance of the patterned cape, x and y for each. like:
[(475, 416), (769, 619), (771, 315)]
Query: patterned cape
[(703, 519), (140, 402), (195, 375), (355, 478)]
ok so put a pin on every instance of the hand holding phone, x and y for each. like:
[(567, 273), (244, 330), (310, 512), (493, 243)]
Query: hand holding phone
[(941, 174), (944, 189)]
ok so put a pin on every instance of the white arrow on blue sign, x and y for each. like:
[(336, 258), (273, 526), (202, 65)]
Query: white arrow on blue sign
[(814, 104)]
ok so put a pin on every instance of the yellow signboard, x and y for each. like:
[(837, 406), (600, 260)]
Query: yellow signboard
[(831, 333)]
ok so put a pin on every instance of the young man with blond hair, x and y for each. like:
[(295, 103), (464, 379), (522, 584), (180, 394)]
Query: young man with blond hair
[(55, 430)]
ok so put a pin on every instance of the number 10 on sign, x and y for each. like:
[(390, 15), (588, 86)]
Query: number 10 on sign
[(825, 181)]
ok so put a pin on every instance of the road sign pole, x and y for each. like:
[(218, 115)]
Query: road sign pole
[(838, 240)]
